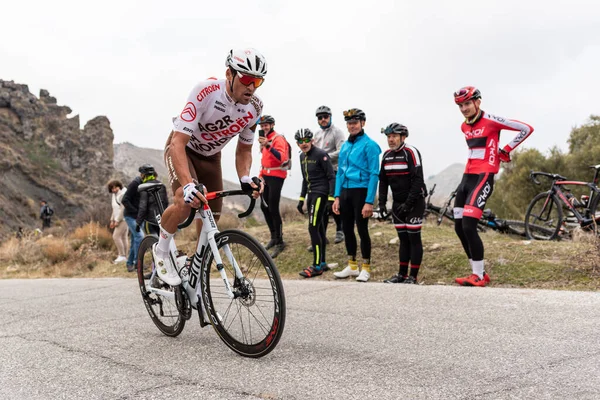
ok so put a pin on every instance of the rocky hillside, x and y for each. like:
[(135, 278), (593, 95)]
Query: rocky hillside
[(446, 182), (44, 154)]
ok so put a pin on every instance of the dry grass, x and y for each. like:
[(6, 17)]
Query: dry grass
[(510, 261)]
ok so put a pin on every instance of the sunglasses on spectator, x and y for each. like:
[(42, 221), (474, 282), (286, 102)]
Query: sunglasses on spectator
[(323, 116), (305, 140), (247, 80)]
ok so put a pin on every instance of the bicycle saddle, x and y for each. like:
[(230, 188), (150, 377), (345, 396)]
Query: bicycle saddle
[(150, 187)]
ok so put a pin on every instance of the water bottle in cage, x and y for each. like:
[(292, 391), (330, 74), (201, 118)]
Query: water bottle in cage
[(573, 200)]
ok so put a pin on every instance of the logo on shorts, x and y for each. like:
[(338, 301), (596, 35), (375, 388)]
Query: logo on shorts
[(485, 192), (189, 112)]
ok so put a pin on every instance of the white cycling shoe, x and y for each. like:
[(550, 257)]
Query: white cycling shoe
[(346, 272), (165, 271), (364, 276)]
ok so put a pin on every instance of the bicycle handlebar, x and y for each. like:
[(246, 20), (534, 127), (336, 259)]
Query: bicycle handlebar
[(555, 177), (216, 195)]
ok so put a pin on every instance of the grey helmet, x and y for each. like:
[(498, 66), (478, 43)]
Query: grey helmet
[(303, 133), (395, 127), (323, 110), (266, 119), (247, 61)]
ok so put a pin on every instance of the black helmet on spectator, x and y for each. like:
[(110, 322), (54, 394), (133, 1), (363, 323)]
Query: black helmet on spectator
[(147, 169), (395, 127), (355, 114), (303, 133), (323, 110), (266, 119)]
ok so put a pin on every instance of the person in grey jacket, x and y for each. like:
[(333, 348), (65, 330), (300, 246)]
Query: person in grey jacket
[(330, 138)]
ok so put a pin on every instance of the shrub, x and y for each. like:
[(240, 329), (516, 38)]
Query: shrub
[(55, 249), (94, 235)]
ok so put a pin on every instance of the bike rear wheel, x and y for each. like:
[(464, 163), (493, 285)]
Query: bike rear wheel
[(543, 219), (252, 323), (162, 308)]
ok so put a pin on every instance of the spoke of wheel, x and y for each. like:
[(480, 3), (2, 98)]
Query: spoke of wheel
[(258, 322), (234, 317)]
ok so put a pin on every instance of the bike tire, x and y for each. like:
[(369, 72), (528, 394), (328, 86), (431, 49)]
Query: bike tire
[(162, 310), (261, 302), (515, 227), (593, 212), (543, 218)]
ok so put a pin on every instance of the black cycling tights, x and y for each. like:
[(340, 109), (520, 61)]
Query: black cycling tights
[(317, 211), (466, 229), (352, 202), (271, 196)]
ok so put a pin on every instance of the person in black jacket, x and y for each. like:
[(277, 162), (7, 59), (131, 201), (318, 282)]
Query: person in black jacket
[(131, 202), (318, 184), (401, 169), (148, 208)]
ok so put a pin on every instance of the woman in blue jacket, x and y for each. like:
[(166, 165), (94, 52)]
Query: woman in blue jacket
[(355, 188)]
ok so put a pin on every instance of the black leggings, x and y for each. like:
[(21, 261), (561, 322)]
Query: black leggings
[(271, 196), (408, 226), (352, 202), (316, 205), (471, 195)]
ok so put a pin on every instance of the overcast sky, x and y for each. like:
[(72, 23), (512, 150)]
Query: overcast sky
[(136, 61)]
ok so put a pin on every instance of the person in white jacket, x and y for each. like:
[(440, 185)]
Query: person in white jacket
[(117, 222)]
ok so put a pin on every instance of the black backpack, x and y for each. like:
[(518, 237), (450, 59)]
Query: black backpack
[(49, 211)]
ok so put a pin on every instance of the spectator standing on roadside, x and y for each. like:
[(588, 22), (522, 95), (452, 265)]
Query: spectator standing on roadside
[(274, 161), (330, 138), (131, 201), (117, 219)]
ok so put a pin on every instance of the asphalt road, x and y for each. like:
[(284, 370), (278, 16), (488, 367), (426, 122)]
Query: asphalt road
[(92, 339)]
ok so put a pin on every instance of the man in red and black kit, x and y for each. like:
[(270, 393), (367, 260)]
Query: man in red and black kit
[(482, 132), (274, 162), (402, 170)]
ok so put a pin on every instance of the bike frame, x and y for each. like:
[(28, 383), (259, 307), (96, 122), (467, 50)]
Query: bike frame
[(191, 278)]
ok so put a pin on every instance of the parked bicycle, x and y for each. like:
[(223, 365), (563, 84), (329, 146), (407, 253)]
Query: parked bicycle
[(545, 218), (231, 281), (488, 218)]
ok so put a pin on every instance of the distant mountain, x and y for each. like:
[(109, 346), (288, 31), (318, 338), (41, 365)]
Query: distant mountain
[(446, 181)]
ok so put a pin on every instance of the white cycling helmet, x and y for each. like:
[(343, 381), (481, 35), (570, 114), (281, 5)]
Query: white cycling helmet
[(247, 61)]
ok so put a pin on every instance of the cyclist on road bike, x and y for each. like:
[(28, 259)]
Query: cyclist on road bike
[(318, 184), (482, 132), (402, 170), (216, 111)]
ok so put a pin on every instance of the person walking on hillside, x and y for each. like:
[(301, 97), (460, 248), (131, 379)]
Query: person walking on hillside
[(402, 170), (330, 138), (274, 161), (318, 183), (148, 208), (482, 133), (355, 187), (46, 213), (117, 219), (131, 201)]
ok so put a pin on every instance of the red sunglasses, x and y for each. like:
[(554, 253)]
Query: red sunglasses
[(247, 80)]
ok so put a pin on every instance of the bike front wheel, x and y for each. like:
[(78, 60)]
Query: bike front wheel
[(543, 219), (515, 227), (159, 298), (252, 323)]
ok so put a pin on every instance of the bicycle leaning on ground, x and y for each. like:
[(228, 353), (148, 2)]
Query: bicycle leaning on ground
[(231, 281), (488, 218), (544, 219)]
